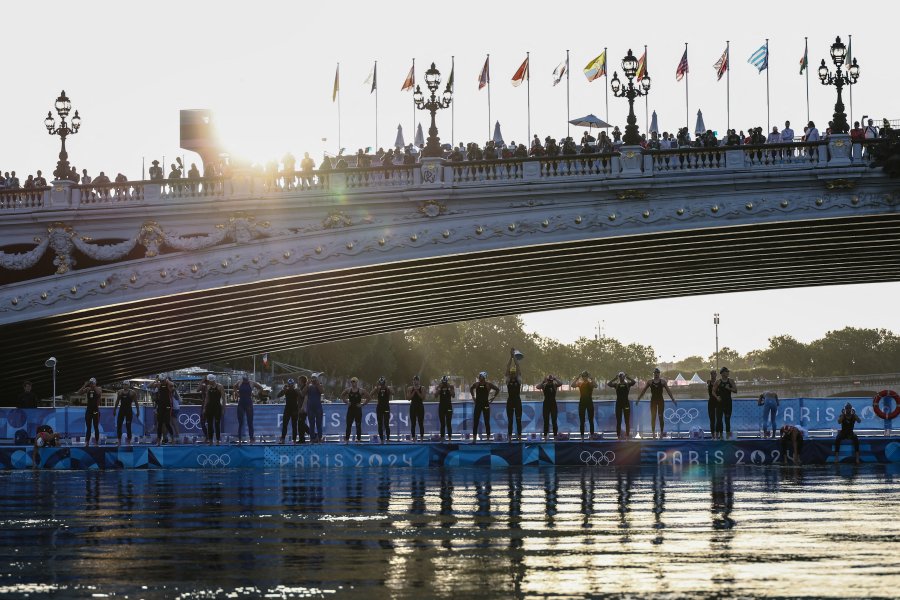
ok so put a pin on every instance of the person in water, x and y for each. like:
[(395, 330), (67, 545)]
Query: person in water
[(622, 383), (483, 393), (383, 394), (445, 393), (244, 391), (125, 399), (549, 386), (92, 393), (656, 386), (585, 385), (356, 398), (415, 393), (213, 409), (513, 396)]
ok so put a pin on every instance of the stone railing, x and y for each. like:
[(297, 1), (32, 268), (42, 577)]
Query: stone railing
[(626, 162)]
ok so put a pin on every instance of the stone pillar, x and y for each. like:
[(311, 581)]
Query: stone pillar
[(430, 171), (839, 147), (531, 169), (61, 193), (632, 158), (735, 159)]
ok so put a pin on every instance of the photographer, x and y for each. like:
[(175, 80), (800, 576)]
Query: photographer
[(848, 419)]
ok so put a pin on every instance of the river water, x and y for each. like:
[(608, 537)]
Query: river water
[(452, 533)]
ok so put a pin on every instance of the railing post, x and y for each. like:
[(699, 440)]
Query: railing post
[(61, 194), (152, 191), (839, 148), (430, 172), (531, 169), (632, 158), (735, 159)]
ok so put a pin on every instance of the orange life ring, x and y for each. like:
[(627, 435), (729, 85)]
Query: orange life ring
[(876, 404)]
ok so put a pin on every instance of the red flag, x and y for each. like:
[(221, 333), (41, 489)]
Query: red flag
[(721, 65), (410, 81), (266, 359), (641, 67), (485, 77), (521, 74), (682, 67)]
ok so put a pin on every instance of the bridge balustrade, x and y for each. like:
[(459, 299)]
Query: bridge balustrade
[(582, 165), (23, 199), (385, 176), (110, 193), (486, 170)]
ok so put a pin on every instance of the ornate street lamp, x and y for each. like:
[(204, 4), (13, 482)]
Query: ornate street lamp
[(432, 105), (630, 91), (63, 107), (839, 80)]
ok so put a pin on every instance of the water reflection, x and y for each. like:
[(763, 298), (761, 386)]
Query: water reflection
[(703, 532)]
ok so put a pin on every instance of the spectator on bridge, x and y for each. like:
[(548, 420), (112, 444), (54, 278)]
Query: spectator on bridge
[(787, 136), (288, 173), (537, 149), (73, 175), (175, 172), (587, 138), (871, 132), (482, 397), (769, 403), (847, 419), (85, 178), (244, 391), (456, 155), (551, 147), (12, 182), (857, 134), (569, 148), (356, 398), (774, 136), (156, 171), (657, 385), (549, 386), (654, 143), (521, 151), (193, 175), (39, 181), (616, 135), (732, 139), (622, 383), (29, 183), (811, 134), (604, 144), (885, 128), (101, 179), (306, 170)]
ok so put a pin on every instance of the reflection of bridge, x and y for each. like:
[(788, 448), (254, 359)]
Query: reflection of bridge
[(150, 276)]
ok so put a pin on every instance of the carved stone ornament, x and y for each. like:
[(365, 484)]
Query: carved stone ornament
[(840, 184), (432, 208), (151, 238), (631, 194), (337, 219), (61, 236)]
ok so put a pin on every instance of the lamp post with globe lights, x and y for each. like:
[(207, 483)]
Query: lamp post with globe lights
[(63, 106), (432, 104), (838, 79), (630, 91)]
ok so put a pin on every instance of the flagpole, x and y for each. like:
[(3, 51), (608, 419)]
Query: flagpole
[(568, 113), (850, 57), (728, 84), (768, 118), (646, 104), (806, 58), (687, 76), (489, 94), (528, 88), (452, 107), (375, 83), (414, 102), (339, 103), (606, 74)]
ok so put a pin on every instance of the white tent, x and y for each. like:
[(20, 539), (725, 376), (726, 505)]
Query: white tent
[(680, 380), (696, 379)]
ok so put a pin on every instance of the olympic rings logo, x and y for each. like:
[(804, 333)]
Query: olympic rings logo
[(598, 457), (681, 415), (213, 460), (189, 421)]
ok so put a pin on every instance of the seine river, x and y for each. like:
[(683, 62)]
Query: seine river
[(597, 532)]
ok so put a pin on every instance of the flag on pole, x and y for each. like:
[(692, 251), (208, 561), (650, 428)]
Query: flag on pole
[(721, 65), (596, 68), (760, 58), (521, 74), (485, 77), (410, 81), (372, 79), (642, 67), (848, 60), (682, 67), (560, 71), (266, 359), (804, 61), (337, 83), (450, 79)]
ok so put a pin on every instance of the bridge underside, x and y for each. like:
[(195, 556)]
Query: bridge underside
[(160, 334)]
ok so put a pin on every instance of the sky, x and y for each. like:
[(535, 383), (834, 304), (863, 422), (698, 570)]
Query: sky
[(267, 69)]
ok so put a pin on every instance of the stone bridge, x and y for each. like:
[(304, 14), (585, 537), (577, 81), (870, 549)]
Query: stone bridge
[(139, 277)]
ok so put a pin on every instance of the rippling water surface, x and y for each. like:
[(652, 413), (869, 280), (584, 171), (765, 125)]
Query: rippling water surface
[(424, 533)]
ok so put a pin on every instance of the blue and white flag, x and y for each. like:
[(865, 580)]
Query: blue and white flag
[(760, 58)]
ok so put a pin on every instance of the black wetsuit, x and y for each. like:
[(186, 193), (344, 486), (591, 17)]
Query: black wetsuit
[(712, 407), (163, 411), (623, 407), (514, 406), (92, 415), (383, 413), (354, 413), (417, 412), (656, 405), (724, 409), (586, 405), (482, 391), (291, 411), (551, 411), (125, 414), (846, 433), (214, 413), (445, 409)]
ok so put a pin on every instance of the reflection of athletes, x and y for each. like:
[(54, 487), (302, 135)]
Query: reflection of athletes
[(848, 419), (656, 387), (482, 396), (549, 386), (355, 398), (622, 384), (122, 411), (791, 437), (585, 384), (91, 392), (445, 393), (415, 393)]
